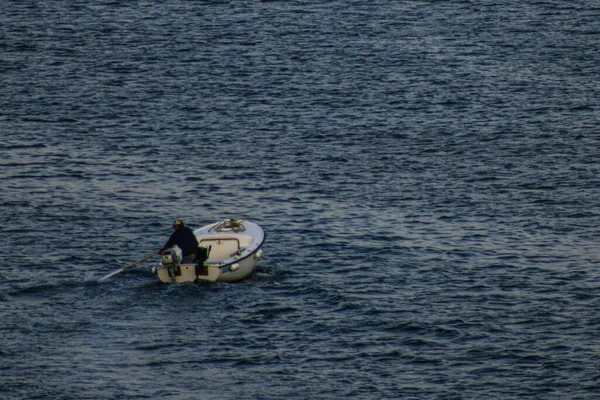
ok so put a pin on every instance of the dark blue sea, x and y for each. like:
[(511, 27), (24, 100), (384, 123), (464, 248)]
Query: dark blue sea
[(427, 174)]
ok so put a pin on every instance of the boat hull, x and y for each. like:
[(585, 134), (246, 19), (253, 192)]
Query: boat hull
[(233, 254)]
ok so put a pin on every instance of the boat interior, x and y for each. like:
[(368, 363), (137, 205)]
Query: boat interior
[(224, 247)]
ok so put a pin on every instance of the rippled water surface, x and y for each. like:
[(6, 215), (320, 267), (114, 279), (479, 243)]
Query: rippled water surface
[(427, 173)]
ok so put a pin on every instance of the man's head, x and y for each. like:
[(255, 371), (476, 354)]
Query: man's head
[(177, 224)]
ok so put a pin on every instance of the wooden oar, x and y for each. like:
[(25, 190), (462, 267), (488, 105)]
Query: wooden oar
[(127, 266)]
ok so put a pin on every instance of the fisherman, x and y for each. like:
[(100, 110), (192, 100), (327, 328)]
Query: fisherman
[(184, 238)]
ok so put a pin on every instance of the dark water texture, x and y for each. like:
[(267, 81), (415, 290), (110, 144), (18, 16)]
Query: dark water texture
[(427, 173)]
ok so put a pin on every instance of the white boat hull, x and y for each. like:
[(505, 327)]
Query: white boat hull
[(235, 247)]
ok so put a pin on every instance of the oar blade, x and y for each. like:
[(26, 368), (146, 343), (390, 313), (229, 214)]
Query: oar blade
[(127, 266), (111, 275)]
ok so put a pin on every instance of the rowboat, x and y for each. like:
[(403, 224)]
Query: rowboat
[(228, 252)]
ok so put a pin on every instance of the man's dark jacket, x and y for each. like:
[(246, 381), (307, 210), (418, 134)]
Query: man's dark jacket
[(185, 239)]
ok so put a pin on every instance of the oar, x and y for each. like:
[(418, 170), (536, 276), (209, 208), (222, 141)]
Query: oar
[(127, 266)]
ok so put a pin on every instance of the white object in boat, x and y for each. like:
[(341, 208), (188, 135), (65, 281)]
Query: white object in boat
[(233, 248)]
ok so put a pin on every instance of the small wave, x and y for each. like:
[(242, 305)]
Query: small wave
[(90, 276), (22, 146)]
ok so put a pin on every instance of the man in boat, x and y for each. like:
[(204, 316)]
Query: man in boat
[(184, 238)]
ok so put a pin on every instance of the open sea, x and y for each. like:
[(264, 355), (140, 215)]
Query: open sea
[(427, 174)]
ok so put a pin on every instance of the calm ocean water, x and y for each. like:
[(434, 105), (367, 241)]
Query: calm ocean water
[(427, 172)]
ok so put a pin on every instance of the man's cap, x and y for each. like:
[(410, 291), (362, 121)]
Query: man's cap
[(178, 222)]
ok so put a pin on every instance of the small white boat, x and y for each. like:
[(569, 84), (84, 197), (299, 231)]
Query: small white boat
[(229, 250)]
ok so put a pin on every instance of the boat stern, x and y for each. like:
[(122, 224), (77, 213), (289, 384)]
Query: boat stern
[(187, 273)]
